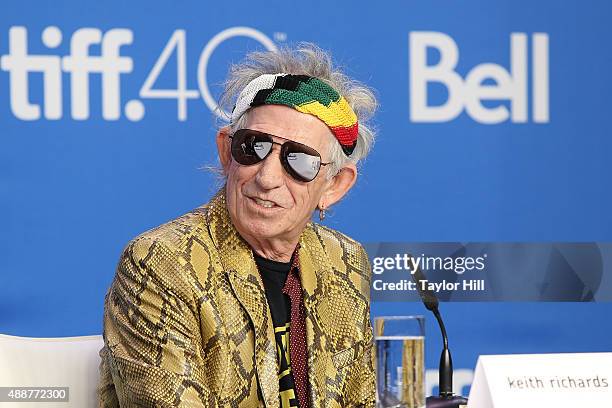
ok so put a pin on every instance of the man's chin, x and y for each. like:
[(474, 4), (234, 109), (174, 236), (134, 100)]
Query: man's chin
[(262, 228)]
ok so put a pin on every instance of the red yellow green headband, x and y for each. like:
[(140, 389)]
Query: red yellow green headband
[(307, 95)]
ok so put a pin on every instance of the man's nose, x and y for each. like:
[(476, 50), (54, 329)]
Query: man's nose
[(270, 174)]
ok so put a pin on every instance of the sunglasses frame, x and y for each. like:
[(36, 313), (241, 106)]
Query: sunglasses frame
[(283, 153)]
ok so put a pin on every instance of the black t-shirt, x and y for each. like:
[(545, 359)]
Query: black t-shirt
[(274, 274)]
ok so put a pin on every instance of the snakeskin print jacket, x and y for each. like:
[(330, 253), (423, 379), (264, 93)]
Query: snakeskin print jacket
[(186, 322)]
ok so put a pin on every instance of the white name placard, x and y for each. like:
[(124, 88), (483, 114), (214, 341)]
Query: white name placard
[(542, 380)]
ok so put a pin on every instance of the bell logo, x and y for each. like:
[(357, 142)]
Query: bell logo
[(509, 85)]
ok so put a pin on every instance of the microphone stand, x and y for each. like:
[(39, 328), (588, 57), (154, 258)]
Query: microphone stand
[(445, 398)]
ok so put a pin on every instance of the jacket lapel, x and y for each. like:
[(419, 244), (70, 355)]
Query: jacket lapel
[(315, 271), (238, 263)]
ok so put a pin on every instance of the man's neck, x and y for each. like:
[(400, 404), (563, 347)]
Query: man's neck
[(280, 251)]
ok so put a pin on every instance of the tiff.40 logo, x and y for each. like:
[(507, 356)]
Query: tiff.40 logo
[(469, 92), (110, 65)]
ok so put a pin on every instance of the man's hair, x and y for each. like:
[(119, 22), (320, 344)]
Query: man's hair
[(307, 59)]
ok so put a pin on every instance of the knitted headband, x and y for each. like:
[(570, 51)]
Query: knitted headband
[(307, 95)]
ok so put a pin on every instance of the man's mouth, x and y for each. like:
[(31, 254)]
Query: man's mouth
[(264, 203)]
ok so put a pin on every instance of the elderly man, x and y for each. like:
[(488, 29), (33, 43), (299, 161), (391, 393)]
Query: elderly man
[(244, 302)]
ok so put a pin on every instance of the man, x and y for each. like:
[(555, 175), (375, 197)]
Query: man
[(244, 302)]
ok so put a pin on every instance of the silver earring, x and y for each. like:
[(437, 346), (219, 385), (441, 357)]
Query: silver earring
[(321, 213)]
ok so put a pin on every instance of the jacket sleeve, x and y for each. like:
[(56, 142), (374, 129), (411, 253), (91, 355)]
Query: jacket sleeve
[(151, 331), (361, 387)]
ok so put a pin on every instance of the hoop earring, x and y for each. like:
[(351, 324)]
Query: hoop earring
[(321, 213)]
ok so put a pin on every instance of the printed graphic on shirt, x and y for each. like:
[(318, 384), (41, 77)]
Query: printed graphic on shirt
[(288, 397)]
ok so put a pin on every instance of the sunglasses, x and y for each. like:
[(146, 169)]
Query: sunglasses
[(300, 161)]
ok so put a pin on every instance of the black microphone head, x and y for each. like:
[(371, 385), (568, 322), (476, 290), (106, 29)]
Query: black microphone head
[(427, 296)]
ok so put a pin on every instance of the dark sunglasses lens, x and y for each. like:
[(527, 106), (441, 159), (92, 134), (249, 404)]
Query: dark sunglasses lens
[(302, 162), (249, 147)]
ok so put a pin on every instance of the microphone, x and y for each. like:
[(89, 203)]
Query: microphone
[(446, 398)]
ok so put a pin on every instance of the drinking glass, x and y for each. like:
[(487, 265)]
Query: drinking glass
[(400, 361)]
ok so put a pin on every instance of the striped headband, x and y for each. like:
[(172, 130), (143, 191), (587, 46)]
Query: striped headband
[(307, 95)]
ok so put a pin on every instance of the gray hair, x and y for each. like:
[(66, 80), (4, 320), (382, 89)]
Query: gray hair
[(307, 59)]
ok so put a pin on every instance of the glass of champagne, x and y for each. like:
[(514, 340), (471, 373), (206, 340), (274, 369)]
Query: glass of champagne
[(400, 361)]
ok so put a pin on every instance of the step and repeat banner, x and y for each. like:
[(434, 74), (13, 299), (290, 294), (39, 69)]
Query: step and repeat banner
[(491, 170)]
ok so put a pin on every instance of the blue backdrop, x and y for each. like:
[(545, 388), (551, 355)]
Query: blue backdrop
[(494, 126)]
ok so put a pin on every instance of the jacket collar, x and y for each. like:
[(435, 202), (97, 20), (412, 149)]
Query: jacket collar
[(238, 263)]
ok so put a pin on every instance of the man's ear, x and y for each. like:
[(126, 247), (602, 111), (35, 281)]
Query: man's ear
[(223, 148), (339, 185)]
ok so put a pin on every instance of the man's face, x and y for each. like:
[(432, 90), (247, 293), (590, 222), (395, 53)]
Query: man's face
[(264, 201)]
